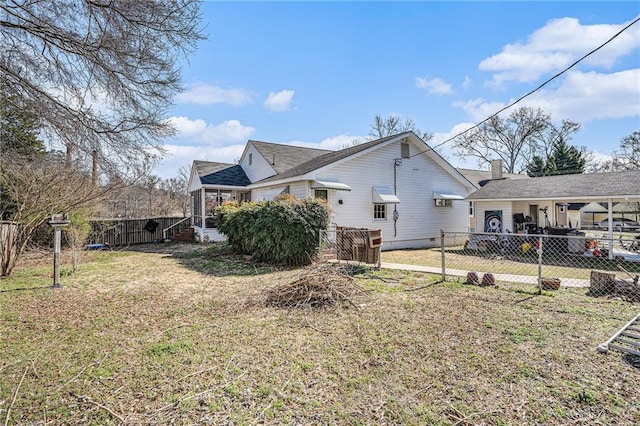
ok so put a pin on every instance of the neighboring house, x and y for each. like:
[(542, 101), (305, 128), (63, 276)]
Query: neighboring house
[(397, 184), (547, 201), (480, 178)]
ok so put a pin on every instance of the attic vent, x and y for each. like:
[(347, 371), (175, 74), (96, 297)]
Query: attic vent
[(404, 150), (250, 158)]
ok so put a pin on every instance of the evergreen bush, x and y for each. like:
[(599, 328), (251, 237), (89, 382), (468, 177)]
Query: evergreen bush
[(281, 231)]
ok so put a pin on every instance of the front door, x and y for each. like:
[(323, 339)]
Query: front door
[(533, 213)]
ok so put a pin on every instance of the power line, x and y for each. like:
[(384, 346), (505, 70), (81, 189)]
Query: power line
[(532, 91)]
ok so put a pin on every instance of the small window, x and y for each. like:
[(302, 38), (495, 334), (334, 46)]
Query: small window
[(321, 194), (379, 211), (250, 158), (441, 202), (471, 208), (404, 150)]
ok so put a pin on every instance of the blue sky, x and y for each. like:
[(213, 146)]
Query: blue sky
[(316, 73)]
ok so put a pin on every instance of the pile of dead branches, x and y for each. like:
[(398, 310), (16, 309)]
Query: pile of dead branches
[(317, 286)]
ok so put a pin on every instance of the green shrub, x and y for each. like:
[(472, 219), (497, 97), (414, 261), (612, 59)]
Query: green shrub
[(281, 231)]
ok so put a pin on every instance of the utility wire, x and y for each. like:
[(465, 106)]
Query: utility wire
[(531, 92)]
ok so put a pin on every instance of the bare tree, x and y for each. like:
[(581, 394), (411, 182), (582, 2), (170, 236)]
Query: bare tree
[(628, 157), (177, 192), (35, 188), (552, 136), (99, 74), (394, 124), (514, 140), (94, 79)]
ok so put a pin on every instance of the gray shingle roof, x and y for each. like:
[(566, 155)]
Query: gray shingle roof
[(221, 174), (207, 167), (578, 186), (480, 177), (328, 158), (285, 157)]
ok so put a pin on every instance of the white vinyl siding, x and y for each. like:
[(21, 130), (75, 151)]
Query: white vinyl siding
[(504, 206), (299, 189), (259, 168), (417, 178)]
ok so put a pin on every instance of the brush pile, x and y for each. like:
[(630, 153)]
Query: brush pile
[(318, 286)]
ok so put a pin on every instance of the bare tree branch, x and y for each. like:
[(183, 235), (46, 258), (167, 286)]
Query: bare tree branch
[(100, 74)]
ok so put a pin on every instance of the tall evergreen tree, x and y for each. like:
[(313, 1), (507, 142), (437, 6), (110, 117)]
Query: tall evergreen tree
[(537, 167), (18, 129), (564, 159)]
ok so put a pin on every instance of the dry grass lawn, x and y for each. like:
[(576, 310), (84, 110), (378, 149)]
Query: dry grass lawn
[(181, 334)]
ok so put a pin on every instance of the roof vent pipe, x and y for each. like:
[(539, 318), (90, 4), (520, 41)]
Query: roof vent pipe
[(496, 169)]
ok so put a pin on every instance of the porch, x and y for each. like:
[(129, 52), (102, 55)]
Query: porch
[(204, 202)]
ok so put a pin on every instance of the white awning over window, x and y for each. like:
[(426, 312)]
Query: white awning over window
[(321, 184), (272, 193), (383, 195), (439, 196)]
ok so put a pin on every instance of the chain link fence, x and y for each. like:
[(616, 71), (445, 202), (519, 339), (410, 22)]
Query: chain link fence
[(578, 259), (605, 265)]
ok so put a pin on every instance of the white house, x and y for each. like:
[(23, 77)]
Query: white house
[(397, 184), (547, 201)]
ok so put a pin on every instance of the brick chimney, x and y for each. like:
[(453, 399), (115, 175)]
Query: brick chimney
[(496, 169)]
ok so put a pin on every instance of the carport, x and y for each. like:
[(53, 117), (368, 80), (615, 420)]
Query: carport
[(543, 200)]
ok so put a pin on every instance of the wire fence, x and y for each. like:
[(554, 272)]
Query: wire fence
[(605, 265), (578, 259), (354, 245)]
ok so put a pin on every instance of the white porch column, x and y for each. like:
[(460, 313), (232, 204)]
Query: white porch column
[(610, 219), (202, 209)]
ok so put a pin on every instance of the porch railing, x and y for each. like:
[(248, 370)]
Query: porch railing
[(175, 229)]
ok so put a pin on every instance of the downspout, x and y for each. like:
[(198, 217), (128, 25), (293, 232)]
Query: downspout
[(396, 163)]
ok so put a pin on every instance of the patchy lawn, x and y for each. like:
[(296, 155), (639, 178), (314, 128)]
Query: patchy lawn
[(180, 333)]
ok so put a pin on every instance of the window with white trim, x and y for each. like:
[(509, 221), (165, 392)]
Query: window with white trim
[(471, 208), (379, 211)]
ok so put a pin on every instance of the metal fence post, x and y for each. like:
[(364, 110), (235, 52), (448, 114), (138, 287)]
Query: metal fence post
[(444, 274), (540, 264)]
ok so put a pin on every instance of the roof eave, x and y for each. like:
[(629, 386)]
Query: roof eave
[(557, 197)]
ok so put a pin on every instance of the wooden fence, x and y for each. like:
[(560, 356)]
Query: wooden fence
[(122, 232)]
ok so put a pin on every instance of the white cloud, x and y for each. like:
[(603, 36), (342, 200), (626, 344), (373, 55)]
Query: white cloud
[(230, 131), (557, 45), (580, 97), (178, 156), (468, 82), (198, 140), (435, 85), (279, 101), (447, 151), (205, 94), (584, 97), (479, 109)]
